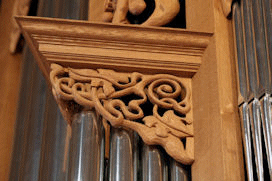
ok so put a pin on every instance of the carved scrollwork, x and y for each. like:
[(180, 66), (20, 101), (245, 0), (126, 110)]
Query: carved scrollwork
[(155, 106)]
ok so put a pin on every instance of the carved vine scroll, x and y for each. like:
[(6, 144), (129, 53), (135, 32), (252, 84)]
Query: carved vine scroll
[(123, 99)]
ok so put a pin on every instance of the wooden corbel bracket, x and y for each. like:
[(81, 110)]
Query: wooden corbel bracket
[(135, 77), (134, 101)]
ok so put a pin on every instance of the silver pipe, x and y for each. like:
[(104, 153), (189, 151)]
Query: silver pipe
[(264, 75), (31, 160), (122, 155), (255, 111), (22, 122), (264, 72), (29, 121), (136, 155), (240, 53), (244, 88), (56, 132), (266, 107), (153, 164), (267, 120), (250, 52), (178, 172), (267, 10), (86, 148), (245, 124), (53, 158), (255, 84)]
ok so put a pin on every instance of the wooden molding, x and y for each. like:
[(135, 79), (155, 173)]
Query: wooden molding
[(125, 48), (132, 101)]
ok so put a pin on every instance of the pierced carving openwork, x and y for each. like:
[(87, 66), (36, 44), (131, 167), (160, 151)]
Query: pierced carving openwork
[(157, 107)]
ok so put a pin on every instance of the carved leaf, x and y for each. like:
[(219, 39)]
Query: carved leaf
[(162, 131), (96, 82), (118, 77), (152, 121), (84, 75), (172, 119), (84, 72), (176, 123), (108, 88)]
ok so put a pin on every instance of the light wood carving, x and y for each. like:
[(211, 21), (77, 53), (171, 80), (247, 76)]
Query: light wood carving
[(109, 93), (165, 11), (226, 6), (86, 47), (20, 8)]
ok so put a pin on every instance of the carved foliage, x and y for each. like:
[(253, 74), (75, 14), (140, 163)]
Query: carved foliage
[(125, 99)]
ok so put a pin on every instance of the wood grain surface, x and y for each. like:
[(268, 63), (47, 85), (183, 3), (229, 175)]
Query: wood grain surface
[(9, 81)]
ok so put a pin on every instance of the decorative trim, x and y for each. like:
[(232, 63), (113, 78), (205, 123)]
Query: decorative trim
[(226, 7), (120, 97), (125, 48), (20, 8)]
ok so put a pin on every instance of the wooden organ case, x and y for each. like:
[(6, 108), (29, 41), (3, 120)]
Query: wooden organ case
[(78, 57)]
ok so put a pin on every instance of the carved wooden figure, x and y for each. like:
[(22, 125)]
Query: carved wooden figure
[(20, 8), (165, 11)]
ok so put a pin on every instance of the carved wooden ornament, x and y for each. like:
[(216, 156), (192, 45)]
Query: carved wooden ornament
[(123, 99), (149, 101), (21, 7), (226, 7), (165, 11)]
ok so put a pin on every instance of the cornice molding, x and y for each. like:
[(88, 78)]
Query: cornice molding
[(157, 107), (120, 47)]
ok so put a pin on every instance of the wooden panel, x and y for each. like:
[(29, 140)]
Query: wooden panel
[(9, 81), (96, 9), (231, 132), (218, 147), (199, 15)]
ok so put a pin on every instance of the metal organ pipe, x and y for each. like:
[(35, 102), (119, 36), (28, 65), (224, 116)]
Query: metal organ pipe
[(86, 158)]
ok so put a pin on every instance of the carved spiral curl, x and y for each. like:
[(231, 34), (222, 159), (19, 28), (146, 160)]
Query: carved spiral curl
[(166, 92)]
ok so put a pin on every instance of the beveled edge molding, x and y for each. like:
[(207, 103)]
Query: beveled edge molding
[(126, 48), (119, 98)]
